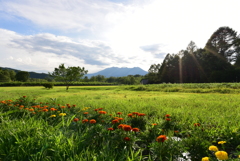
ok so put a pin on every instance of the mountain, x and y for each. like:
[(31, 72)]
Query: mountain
[(32, 74), (108, 72), (119, 72)]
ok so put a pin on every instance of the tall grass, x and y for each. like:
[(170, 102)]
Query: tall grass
[(197, 119)]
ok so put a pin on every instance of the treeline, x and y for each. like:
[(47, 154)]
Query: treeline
[(218, 61), (12, 78)]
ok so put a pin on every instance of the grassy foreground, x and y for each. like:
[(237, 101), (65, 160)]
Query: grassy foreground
[(119, 123)]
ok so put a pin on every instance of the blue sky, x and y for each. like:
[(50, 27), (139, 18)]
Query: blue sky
[(38, 35)]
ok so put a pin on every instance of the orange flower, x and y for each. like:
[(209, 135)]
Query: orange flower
[(130, 115), (115, 121), (92, 121), (45, 110), (135, 113), (168, 119), (127, 128), (110, 129), (85, 120), (141, 114), (31, 109), (102, 112), (126, 139), (63, 106), (167, 115), (100, 108), (135, 129), (53, 109), (154, 124), (73, 105), (96, 110), (76, 120), (21, 106), (120, 119), (120, 126), (161, 138), (24, 96), (85, 113), (197, 124), (119, 113)]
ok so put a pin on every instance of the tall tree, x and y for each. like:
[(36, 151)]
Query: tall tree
[(221, 43), (68, 75)]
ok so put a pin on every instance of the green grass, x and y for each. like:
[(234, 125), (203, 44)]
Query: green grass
[(28, 136)]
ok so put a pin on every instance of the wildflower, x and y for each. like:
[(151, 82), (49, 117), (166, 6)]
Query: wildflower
[(92, 121), (115, 121), (141, 114), (221, 155), (85, 113), (85, 120), (120, 126), (205, 159), (76, 120), (221, 142), (21, 106), (135, 113), (126, 139), (102, 112), (53, 109), (119, 113), (45, 110), (24, 96), (53, 116), (135, 129), (176, 131), (197, 124), (167, 115), (120, 119), (63, 106), (161, 138), (168, 119), (127, 128), (62, 114), (154, 124), (96, 110), (110, 129), (130, 115), (73, 105), (213, 148), (31, 110)]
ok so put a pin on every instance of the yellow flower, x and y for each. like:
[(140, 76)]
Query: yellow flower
[(221, 155), (221, 142), (62, 114), (213, 148), (53, 116), (205, 159)]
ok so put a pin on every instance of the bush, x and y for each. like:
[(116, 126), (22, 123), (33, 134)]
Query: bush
[(48, 85)]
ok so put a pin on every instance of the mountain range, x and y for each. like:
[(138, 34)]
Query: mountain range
[(108, 72)]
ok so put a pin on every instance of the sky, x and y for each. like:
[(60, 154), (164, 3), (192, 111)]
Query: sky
[(39, 35)]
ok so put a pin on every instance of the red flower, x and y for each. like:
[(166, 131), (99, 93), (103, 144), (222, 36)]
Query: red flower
[(141, 114), (127, 128), (92, 121), (161, 138), (126, 139), (135, 129), (53, 109), (120, 126), (119, 113), (102, 112), (24, 96), (115, 121), (167, 115), (45, 110), (110, 129), (168, 119), (197, 124), (76, 120), (85, 120), (130, 115)]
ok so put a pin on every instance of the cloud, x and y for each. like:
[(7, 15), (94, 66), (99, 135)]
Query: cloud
[(44, 49)]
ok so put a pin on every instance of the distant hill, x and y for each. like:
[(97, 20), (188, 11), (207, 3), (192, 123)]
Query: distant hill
[(32, 74), (108, 72), (119, 72)]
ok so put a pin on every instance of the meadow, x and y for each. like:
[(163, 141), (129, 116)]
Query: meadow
[(120, 123)]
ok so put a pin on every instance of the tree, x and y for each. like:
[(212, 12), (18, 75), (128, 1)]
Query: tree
[(22, 76), (221, 43), (4, 76), (68, 75)]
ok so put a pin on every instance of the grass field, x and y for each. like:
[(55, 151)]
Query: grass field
[(146, 122)]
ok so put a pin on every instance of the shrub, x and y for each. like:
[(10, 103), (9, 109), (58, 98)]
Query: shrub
[(48, 85)]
